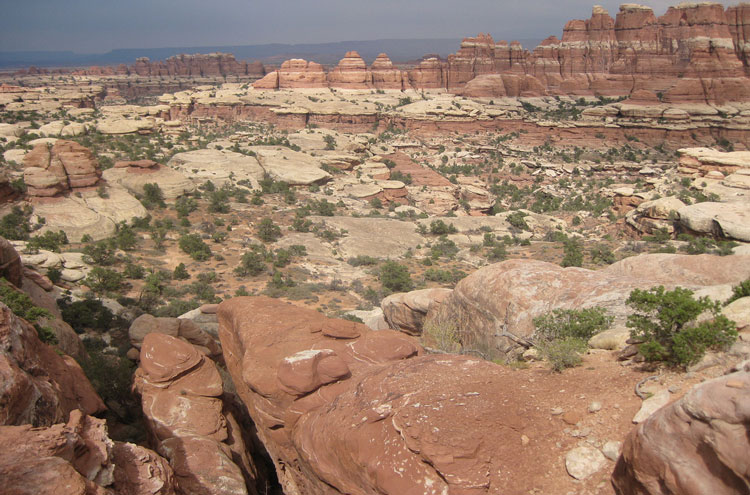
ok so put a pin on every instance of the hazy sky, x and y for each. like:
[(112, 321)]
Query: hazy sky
[(95, 26)]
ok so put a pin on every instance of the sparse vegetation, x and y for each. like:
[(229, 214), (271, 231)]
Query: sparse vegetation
[(666, 323)]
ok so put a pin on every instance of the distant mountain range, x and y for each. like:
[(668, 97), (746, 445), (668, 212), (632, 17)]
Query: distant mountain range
[(325, 53)]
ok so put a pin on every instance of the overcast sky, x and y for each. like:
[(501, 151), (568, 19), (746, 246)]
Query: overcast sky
[(96, 26)]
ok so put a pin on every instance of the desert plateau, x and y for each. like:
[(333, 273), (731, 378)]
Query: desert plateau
[(503, 270)]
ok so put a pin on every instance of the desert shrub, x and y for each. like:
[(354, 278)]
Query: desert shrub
[(443, 276), (21, 304), (253, 262), (100, 253), (439, 227), (582, 324), (323, 208), (516, 219), (15, 225), (330, 142), (218, 201), (395, 277), (666, 324), (86, 314), (497, 252), (441, 333), (565, 353), (185, 205), (180, 272), (194, 246), (54, 274), (134, 271), (50, 241), (739, 291), (363, 260), (176, 307), (268, 231), (443, 248), (103, 280), (152, 197), (125, 237), (111, 377), (562, 335), (602, 254), (572, 253), (402, 177)]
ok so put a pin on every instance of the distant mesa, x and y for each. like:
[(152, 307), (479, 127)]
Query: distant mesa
[(196, 65), (695, 51)]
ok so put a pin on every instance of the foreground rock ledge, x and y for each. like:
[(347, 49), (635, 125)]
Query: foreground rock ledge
[(343, 409), (697, 445)]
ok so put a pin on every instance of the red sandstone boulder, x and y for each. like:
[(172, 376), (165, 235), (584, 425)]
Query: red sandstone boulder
[(176, 327), (64, 166), (399, 422), (78, 458), (514, 292), (37, 385), (694, 446), (406, 311), (11, 267), (181, 396)]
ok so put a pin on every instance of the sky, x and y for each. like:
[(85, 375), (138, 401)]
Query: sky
[(97, 26)]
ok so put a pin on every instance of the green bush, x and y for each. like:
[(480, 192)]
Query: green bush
[(439, 227), (253, 262), (517, 220), (739, 291), (87, 314), (153, 197), (185, 205), (50, 241), (562, 324), (395, 277), (665, 322), (565, 353), (572, 253), (176, 307), (268, 231), (99, 253), (180, 272), (562, 335), (22, 306), (194, 246), (443, 248), (15, 225), (103, 280), (363, 260)]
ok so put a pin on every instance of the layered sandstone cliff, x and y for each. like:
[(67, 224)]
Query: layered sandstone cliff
[(183, 65), (694, 52)]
